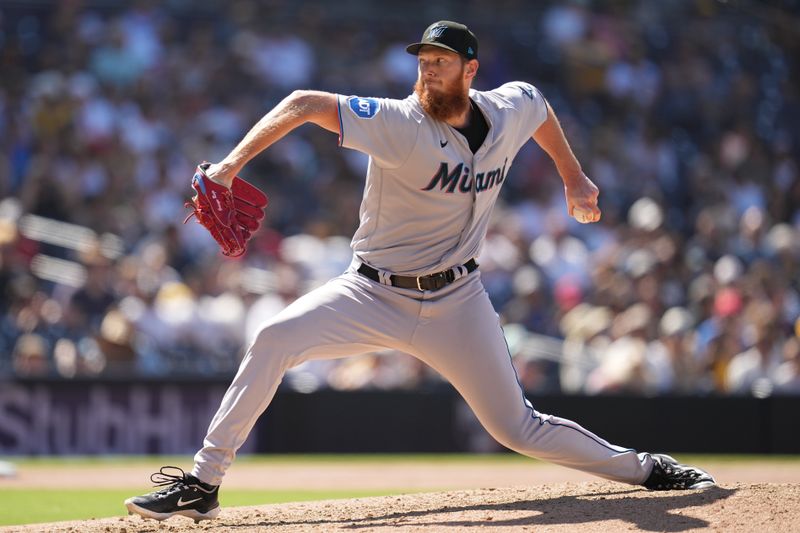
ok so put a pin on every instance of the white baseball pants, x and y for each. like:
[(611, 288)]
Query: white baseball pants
[(454, 330)]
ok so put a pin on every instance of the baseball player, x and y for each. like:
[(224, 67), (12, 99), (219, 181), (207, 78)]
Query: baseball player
[(437, 161)]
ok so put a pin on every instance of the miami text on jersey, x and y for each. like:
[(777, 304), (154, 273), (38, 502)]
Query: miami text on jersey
[(460, 176)]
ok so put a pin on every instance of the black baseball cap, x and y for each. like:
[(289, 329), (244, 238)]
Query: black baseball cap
[(450, 36)]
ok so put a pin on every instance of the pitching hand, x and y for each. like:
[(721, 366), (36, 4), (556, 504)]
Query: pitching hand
[(581, 195)]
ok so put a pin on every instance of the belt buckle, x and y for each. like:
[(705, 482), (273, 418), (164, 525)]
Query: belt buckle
[(439, 280)]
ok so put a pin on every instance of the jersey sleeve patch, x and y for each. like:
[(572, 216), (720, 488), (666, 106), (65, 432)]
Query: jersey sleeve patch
[(364, 107)]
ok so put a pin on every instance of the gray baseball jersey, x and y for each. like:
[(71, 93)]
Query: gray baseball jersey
[(426, 207), (424, 168)]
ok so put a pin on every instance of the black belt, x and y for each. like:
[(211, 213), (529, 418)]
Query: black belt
[(431, 282)]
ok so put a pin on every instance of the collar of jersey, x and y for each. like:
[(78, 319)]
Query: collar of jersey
[(480, 99)]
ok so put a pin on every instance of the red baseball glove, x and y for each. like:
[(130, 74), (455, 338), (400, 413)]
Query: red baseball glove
[(230, 215)]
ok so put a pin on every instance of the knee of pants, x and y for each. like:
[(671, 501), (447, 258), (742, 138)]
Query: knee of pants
[(517, 438)]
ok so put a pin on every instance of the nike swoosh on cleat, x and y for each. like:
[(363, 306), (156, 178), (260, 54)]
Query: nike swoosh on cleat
[(181, 503), (443, 143)]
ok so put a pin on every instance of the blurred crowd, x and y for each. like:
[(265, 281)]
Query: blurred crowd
[(685, 113)]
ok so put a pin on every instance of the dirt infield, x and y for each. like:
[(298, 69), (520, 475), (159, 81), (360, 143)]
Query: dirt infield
[(563, 507)]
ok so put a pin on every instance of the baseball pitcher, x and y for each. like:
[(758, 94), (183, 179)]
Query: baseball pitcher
[(437, 162)]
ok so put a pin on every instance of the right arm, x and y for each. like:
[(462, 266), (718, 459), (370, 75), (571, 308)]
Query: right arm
[(317, 107), (581, 193)]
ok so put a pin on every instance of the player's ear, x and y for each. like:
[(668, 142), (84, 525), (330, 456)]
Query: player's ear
[(471, 68)]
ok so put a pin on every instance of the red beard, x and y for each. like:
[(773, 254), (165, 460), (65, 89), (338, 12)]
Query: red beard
[(445, 103)]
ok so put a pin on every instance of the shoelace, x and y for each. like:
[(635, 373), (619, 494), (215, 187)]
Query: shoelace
[(171, 483)]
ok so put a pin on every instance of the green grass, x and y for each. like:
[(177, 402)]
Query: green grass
[(29, 506)]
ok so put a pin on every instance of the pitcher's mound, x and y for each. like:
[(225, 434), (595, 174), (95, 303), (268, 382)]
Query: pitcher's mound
[(565, 507)]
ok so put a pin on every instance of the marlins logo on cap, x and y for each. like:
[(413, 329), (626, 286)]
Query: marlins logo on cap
[(436, 32)]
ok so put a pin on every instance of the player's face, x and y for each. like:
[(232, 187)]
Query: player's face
[(443, 82), (442, 70)]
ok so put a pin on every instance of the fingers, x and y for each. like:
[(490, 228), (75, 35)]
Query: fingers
[(586, 215), (581, 197)]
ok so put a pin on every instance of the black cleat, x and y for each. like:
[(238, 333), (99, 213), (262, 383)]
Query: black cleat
[(669, 474), (183, 495)]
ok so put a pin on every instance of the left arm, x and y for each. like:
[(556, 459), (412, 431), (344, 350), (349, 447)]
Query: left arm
[(581, 194)]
